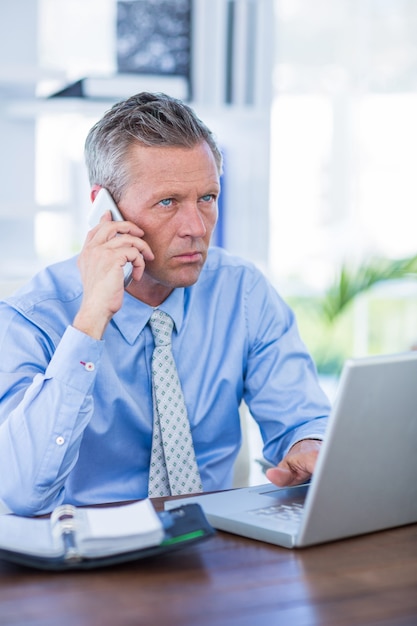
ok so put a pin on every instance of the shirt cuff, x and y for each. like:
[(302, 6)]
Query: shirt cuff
[(76, 359), (306, 432)]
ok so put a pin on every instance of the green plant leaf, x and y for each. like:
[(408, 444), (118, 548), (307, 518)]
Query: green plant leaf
[(352, 281)]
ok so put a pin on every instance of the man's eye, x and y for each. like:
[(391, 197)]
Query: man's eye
[(166, 202), (208, 197)]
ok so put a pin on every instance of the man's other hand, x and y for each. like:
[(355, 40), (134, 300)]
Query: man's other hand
[(298, 464)]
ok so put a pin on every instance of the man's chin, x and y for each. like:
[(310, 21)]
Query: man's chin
[(187, 280), (184, 277)]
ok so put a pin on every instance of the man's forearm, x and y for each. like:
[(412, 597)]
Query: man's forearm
[(40, 437)]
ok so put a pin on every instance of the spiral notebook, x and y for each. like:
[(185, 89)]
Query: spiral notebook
[(91, 537)]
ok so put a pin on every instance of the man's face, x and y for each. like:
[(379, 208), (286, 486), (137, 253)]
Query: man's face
[(172, 195)]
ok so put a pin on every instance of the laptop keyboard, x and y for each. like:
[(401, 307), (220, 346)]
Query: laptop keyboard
[(283, 512)]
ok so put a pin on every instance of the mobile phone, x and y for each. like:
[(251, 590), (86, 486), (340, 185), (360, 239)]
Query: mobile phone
[(104, 202)]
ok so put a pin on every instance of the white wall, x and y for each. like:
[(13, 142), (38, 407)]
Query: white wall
[(18, 72)]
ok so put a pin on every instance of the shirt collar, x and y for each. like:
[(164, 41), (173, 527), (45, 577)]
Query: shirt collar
[(132, 318)]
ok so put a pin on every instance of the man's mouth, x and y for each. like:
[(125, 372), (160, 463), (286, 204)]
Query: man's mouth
[(192, 255)]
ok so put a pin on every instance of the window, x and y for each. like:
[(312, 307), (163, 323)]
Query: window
[(344, 156)]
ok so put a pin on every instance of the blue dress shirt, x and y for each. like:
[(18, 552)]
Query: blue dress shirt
[(76, 413)]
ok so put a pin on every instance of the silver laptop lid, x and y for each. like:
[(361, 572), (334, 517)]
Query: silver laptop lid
[(366, 475)]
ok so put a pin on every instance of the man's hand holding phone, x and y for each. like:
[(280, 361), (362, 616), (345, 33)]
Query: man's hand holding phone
[(103, 202), (114, 252)]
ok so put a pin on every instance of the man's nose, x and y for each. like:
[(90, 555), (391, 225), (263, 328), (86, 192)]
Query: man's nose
[(193, 223)]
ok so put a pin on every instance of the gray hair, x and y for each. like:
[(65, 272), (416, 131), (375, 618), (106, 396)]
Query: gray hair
[(152, 119)]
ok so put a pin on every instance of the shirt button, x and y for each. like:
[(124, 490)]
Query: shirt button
[(60, 441), (90, 367)]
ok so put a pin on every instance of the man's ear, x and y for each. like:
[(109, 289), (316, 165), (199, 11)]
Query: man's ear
[(94, 191)]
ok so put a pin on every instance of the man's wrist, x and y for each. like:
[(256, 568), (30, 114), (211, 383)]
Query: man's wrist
[(90, 325), (314, 438)]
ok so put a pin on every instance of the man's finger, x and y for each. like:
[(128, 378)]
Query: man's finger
[(279, 476)]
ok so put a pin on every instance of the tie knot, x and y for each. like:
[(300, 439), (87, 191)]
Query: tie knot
[(161, 325)]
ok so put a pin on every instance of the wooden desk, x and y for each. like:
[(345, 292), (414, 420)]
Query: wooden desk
[(230, 581)]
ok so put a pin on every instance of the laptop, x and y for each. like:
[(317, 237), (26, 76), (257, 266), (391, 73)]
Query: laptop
[(366, 474)]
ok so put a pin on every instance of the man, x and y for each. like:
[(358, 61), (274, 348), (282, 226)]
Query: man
[(76, 390)]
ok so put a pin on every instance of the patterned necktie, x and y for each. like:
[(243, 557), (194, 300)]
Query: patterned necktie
[(173, 469)]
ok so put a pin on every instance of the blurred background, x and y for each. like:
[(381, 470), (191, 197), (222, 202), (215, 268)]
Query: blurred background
[(313, 102)]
